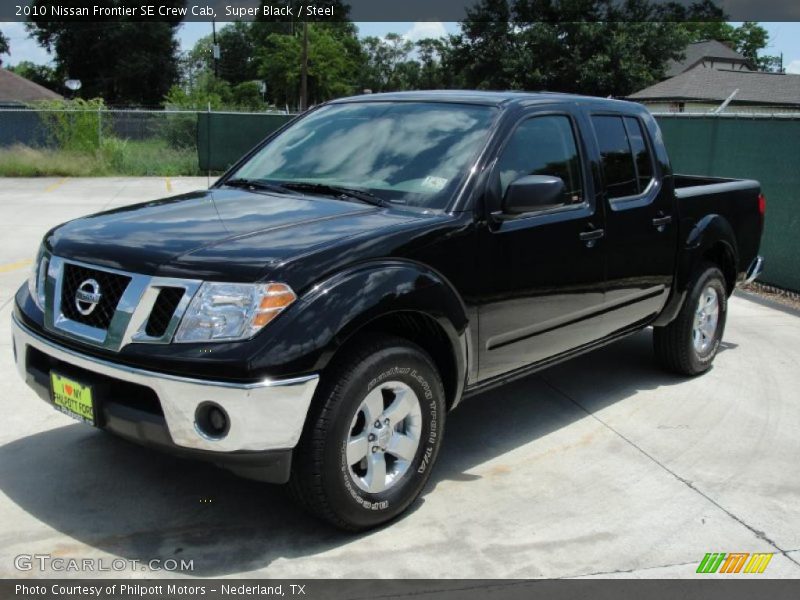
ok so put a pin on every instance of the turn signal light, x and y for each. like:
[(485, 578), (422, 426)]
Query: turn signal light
[(277, 297)]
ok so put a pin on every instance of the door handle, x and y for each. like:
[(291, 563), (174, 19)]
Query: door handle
[(660, 223), (591, 237)]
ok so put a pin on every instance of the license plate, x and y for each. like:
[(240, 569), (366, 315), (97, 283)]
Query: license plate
[(72, 398)]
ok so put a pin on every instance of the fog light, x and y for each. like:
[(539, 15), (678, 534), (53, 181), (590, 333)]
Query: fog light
[(212, 421)]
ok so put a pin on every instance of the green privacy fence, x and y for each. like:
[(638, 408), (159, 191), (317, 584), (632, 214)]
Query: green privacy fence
[(766, 148), (223, 138)]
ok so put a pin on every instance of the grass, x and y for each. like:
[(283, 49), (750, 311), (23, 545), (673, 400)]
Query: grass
[(114, 157)]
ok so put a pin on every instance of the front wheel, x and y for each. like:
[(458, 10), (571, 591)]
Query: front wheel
[(372, 435), (688, 345)]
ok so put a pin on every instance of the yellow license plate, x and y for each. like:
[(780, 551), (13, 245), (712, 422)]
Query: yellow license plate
[(72, 398)]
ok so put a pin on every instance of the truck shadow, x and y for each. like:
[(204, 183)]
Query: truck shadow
[(114, 497)]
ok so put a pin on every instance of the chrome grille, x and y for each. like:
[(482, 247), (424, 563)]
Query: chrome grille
[(129, 308), (112, 286), (163, 309)]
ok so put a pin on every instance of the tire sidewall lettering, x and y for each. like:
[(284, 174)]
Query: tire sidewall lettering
[(419, 382)]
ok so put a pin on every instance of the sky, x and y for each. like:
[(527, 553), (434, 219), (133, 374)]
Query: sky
[(784, 38)]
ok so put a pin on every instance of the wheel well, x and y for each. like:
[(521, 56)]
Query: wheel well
[(722, 256), (428, 334)]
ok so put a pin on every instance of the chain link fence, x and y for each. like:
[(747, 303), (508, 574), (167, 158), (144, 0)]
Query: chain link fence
[(124, 142)]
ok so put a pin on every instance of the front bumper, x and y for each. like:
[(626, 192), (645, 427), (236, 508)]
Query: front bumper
[(264, 416)]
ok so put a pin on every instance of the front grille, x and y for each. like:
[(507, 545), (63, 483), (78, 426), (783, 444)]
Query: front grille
[(111, 285), (163, 309)]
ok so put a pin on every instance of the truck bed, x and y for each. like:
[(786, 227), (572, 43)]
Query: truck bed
[(736, 200)]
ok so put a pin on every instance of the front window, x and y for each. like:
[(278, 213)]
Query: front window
[(544, 145), (408, 153)]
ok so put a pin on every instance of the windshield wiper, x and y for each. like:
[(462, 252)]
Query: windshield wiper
[(334, 190), (259, 184)]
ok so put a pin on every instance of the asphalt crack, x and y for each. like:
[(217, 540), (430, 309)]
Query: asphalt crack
[(757, 532)]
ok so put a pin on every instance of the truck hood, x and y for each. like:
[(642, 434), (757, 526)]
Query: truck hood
[(233, 235)]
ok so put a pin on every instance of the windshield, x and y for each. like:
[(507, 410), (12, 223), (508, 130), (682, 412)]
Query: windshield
[(410, 153)]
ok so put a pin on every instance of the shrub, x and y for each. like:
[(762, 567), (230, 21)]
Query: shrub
[(180, 130), (75, 125), (112, 153)]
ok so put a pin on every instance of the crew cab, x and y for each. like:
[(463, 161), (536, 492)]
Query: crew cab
[(313, 316)]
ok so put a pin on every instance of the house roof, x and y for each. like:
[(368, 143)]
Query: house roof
[(701, 83), (18, 90), (699, 51)]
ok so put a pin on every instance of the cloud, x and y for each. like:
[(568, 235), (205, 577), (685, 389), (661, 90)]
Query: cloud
[(22, 47), (425, 29), (793, 67)]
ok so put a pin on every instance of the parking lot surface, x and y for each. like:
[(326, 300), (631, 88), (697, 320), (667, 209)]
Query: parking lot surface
[(603, 466)]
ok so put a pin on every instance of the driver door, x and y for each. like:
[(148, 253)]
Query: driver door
[(546, 268)]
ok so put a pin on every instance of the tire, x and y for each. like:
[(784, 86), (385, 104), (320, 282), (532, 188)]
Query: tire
[(688, 346), (381, 377)]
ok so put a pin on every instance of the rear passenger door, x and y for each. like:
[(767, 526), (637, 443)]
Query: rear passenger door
[(641, 228)]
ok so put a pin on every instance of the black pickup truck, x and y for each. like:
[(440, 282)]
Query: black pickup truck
[(313, 316)]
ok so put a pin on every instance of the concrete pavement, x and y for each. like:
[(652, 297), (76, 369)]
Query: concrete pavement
[(600, 467)]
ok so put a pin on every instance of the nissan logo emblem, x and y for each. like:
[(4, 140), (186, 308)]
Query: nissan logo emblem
[(87, 297)]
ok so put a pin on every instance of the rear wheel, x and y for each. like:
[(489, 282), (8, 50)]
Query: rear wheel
[(690, 342), (372, 435)]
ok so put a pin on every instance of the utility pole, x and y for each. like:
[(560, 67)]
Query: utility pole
[(304, 70), (215, 48)]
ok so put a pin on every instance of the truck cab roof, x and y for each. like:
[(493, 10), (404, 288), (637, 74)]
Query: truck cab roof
[(492, 98)]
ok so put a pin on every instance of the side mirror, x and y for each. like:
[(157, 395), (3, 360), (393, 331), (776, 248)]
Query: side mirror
[(533, 192)]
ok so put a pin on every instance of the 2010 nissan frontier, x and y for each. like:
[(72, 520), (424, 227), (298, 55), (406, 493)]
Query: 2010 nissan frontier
[(313, 316)]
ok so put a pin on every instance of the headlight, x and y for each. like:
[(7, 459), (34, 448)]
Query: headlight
[(37, 277), (232, 311)]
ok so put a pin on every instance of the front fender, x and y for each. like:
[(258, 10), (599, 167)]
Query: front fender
[(331, 311)]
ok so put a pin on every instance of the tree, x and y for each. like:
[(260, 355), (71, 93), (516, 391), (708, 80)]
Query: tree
[(387, 66), (203, 92), (4, 47), (122, 61), (481, 52), (432, 55), (44, 75), (749, 40), (597, 47), (331, 68), (237, 62), (701, 31), (196, 62)]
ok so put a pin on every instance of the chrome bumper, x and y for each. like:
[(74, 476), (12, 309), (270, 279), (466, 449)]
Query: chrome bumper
[(267, 415), (755, 269)]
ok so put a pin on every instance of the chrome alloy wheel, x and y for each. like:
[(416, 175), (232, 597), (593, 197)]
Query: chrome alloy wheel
[(384, 436), (706, 318)]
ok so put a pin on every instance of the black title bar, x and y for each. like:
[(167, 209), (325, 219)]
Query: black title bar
[(394, 10), (418, 589)]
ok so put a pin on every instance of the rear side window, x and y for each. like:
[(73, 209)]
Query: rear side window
[(543, 145), (626, 160), (619, 170), (641, 153)]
